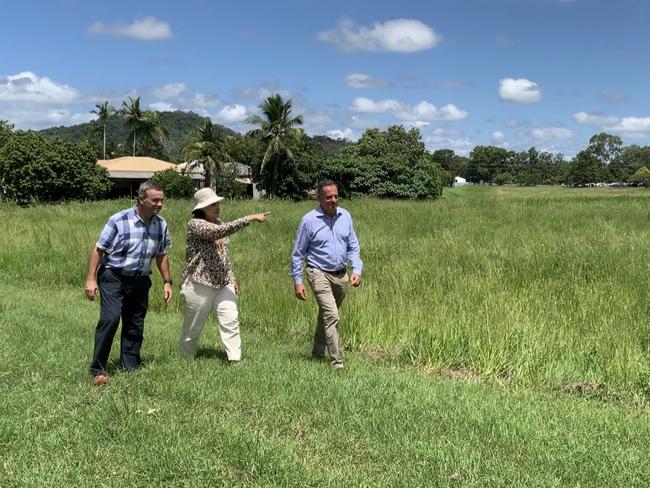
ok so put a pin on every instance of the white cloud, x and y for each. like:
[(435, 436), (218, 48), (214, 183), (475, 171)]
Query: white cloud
[(418, 124), (28, 87), (144, 29), (629, 126), (398, 35), (551, 133), (36, 116), (346, 133), (30, 101), (447, 138), (519, 90), (232, 114), (633, 126), (595, 119), (171, 90), (260, 93), (451, 112), (358, 80), (423, 111), (498, 137), (162, 107), (179, 96), (202, 101)]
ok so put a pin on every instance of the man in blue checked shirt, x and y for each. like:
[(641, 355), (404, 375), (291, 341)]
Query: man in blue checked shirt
[(327, 242), (119, 269)]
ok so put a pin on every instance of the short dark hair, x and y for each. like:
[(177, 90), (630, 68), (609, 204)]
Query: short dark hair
[(198, 214), (145, 186), (323, 184)]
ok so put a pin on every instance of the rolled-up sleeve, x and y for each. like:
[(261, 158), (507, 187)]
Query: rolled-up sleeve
[(299, 252), (107, 236)]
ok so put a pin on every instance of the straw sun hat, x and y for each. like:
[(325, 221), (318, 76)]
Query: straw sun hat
[(205, 197)]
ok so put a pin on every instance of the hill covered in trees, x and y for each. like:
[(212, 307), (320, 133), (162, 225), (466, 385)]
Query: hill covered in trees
[(180, 127)]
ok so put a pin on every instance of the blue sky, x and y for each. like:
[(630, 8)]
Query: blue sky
[(512, 73)]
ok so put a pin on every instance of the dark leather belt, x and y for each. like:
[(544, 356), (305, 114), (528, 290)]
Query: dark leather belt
[(337, 272)]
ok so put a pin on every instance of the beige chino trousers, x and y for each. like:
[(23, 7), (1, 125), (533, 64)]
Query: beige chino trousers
[(200, 300), (329, 290)]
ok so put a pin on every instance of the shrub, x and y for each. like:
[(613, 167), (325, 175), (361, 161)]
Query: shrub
[(35, 167), (174, 184)]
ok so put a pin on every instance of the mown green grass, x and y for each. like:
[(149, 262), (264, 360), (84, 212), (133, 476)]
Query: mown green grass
[(523, 293), (279, 419)]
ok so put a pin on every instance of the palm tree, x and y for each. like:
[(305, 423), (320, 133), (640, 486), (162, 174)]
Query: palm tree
[(276, 130), (153, 130), (206, 147), (104, 112), (133, 116)]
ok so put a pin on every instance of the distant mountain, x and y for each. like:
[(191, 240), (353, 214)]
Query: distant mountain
[(329, 146), (180, 125)]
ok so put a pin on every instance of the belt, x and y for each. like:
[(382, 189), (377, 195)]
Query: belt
[(336, 272)]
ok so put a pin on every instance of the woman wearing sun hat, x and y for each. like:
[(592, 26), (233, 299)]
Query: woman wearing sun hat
[(208, 282)]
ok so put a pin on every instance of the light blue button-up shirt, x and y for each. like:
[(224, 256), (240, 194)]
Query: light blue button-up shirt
[(328, 244)]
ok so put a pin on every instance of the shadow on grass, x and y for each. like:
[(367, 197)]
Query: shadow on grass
[(211, 353)]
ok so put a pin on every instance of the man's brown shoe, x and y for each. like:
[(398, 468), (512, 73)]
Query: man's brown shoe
[(100, 379)]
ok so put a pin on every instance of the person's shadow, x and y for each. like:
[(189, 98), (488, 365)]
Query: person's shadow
[(211, 353)]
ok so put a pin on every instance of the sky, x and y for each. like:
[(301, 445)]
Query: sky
[(509, 73)]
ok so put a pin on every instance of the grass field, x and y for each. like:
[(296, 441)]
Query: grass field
[(533, 300)]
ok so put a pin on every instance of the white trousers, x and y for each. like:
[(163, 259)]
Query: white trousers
[(199, 301)]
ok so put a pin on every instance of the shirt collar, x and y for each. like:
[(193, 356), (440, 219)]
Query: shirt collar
[(136, 216), (320, 211)]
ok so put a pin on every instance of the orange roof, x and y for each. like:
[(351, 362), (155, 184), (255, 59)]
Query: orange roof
[(136, 164)]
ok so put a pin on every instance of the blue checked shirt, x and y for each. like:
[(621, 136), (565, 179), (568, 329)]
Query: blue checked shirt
[(325, 243), (129, 244)]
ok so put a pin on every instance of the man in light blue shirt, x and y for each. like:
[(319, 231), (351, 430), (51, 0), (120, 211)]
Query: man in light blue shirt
[(327, 242)]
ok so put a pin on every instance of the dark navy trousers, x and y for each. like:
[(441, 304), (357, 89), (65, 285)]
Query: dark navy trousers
[(125, 297)]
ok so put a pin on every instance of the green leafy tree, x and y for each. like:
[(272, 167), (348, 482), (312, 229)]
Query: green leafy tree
[(36, 167), (641, 177), (277, 131), (386, 164), (608, 150), (174, 184), (6, 129), (487, 161), (585, 169), (104, 113), (634, 157)]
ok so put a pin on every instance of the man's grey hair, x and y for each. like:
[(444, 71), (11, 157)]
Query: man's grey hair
[(146, 186), (323, 184)]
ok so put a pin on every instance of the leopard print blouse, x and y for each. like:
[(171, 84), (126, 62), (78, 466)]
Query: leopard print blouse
[(207, 257)]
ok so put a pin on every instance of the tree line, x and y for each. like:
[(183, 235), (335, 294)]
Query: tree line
[(391, 163), (604, 160)]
